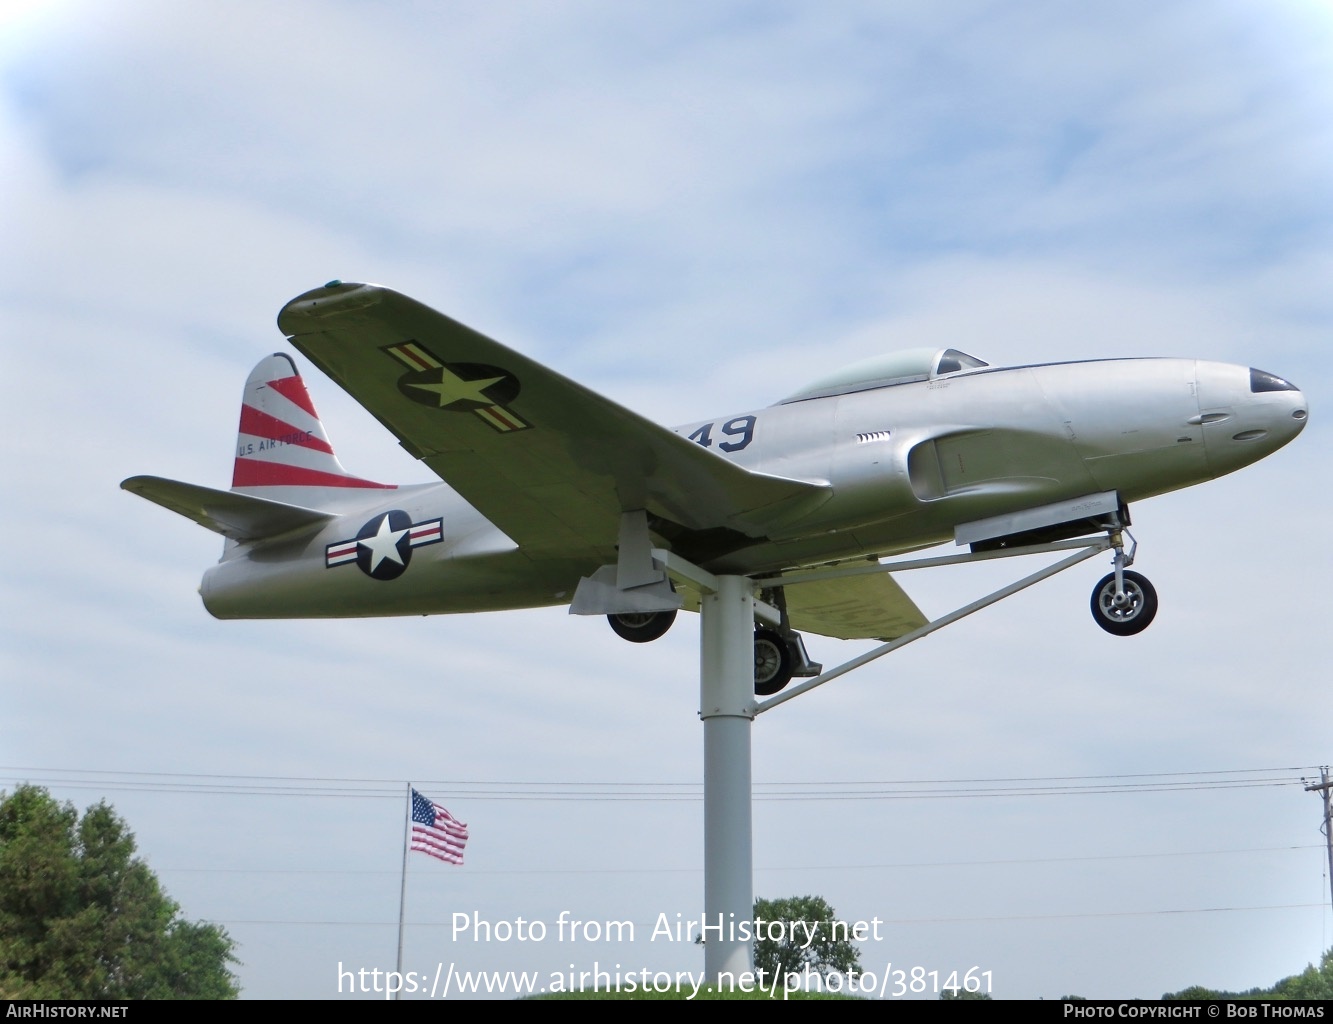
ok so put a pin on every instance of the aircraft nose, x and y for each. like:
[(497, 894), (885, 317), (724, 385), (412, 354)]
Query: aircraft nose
[(1246, 413)]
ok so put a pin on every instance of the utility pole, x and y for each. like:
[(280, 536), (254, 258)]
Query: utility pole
[(1326, 787)]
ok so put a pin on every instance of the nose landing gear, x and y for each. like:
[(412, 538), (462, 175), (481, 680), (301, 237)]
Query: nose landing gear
[(1123, 603)]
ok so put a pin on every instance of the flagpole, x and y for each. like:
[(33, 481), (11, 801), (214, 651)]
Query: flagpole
[(402, 889)]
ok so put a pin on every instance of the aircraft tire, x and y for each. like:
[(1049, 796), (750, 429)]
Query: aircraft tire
[(641, 627), (1136, 616), (772, 662)]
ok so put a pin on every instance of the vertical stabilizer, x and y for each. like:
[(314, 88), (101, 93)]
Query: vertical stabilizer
[(282, 449)]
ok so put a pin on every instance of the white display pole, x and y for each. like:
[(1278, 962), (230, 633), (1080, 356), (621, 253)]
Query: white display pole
[(726, 705)]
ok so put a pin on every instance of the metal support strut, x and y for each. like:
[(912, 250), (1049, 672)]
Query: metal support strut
[(1087, 547), (728, 610), (1120, 562)]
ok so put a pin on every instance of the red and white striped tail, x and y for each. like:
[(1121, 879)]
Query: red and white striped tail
[(281, 442)]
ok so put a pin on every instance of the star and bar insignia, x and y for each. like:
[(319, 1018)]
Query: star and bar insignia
[(476, 388), (383, 547)]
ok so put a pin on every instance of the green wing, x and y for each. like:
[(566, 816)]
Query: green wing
[(550, 462)]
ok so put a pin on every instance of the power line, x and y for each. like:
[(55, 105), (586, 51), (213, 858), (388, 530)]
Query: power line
[(520, 782), (882, 866), (205, 784)]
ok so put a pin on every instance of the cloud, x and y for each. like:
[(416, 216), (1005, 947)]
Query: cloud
[(692, 210)]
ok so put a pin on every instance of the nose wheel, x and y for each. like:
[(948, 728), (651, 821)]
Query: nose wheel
[(1127, 609), (1123, 602)]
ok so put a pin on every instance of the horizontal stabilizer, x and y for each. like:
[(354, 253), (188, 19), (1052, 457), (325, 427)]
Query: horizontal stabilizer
[(238, 516), (870, 607)]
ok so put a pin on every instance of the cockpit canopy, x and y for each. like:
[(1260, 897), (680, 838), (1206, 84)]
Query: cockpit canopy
[(905, 367)]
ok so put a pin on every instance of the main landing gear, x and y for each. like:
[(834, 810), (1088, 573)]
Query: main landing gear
[(772, 662), (777, 655), (641, 627), (1123, 603)]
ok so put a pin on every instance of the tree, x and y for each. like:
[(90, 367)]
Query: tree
[(1312, 983), (798, 933), (82, 918)]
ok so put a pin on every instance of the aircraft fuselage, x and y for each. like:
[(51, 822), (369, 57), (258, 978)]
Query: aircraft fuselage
[(906, 463)]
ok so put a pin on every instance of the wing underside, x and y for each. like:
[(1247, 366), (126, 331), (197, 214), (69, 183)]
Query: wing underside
[(853, 608), (550, 462), (869, 607)]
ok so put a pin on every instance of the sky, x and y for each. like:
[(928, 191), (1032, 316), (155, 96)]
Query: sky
[(694, 210)]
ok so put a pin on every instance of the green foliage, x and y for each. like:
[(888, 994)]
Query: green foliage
[(1312, 983), (825, 955), (82, 918), (950, 994)]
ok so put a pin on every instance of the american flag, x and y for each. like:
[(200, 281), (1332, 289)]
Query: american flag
[(437, 832)]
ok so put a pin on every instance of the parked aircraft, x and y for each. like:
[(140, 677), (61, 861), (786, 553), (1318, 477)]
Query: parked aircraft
[(553, 494)]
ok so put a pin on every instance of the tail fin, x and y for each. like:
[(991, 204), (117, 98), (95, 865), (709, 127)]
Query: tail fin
[(282, 449)]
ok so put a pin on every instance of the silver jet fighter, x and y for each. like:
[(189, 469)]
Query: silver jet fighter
[(553, 494)]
